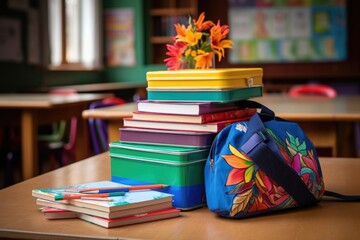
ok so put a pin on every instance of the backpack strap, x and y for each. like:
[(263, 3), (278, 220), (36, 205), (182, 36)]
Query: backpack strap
[(261, 148), (265, 112), (348, 198)]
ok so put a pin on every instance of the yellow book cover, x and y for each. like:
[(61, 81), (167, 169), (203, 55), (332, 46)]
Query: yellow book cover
[(209, 78)]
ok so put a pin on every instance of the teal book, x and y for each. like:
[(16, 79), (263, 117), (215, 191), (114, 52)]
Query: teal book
[(131, 203), (164, 153), (204, 95)]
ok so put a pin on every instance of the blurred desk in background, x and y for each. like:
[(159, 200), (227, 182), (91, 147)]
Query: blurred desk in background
[(326, 121), (114, 116), (102, 87), (124, 90), (31, 110)]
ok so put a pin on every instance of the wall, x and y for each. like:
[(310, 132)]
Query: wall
[(17, 77), (135, 73), (20, 76)]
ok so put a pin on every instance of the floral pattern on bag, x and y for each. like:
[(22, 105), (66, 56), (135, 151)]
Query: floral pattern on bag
[(255, 191)]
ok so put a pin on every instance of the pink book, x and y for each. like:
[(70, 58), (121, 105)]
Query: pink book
[(213, 127)]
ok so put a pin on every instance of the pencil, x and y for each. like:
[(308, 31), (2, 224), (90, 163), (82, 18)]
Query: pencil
[(87, 195), (123, 189), (107, 199), (116, 189)]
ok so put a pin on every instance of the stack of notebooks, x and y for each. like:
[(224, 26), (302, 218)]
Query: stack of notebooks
[(168, 138), (121, 207)]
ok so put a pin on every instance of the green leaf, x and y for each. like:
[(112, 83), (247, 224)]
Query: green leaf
[(291, 138), (302, 147)]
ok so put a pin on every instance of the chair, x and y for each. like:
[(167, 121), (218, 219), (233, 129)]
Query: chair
[(59, 144), (10, 154), (313, 89), (98, 127), (324, 91)]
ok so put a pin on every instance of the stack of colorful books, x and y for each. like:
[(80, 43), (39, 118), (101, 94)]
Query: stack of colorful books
[(106, 203), (169, 137)]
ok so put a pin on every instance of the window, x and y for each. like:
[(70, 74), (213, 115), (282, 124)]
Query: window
[(75, 34)]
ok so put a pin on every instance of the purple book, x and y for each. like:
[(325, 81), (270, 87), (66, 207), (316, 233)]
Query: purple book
[(185, 108), (154, 136)]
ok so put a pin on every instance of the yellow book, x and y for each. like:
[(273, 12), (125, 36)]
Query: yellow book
[(209, 78)]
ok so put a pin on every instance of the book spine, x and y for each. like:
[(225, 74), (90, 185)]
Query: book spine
[(227, 115)]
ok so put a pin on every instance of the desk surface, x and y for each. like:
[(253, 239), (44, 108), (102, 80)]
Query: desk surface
[(98, 87), (41, 100), (341, 108), (112, 112), (19, 217)]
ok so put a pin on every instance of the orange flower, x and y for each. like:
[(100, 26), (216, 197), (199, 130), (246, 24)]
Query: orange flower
[(217, 35), (196, 44), (201, 25), (203, 59), (180, 30), (190, 37)]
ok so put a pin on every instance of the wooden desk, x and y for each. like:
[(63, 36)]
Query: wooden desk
[(19, 217), (33, 110), (326, 121), (114, 115), (102, 87), (322, 119)]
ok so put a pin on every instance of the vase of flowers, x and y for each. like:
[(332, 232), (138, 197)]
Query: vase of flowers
[(196, 45)]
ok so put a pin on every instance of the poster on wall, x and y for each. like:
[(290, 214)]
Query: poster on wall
[(33, 38), (287, 31), (10, 40), (120, 37)]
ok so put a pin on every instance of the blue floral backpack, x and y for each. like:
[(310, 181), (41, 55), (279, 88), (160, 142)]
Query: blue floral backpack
[(262, 165)]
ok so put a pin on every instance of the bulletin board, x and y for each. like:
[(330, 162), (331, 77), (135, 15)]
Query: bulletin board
[(287, 31), (120, 37)]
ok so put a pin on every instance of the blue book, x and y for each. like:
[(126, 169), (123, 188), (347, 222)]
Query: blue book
[(131, 203)]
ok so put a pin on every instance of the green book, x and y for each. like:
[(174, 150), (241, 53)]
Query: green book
[(204, 95), (163, 153)]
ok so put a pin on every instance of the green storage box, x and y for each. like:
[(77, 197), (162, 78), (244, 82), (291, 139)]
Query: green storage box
[(182, 168)]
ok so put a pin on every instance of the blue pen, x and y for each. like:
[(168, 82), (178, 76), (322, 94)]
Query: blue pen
[(110, 190)]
